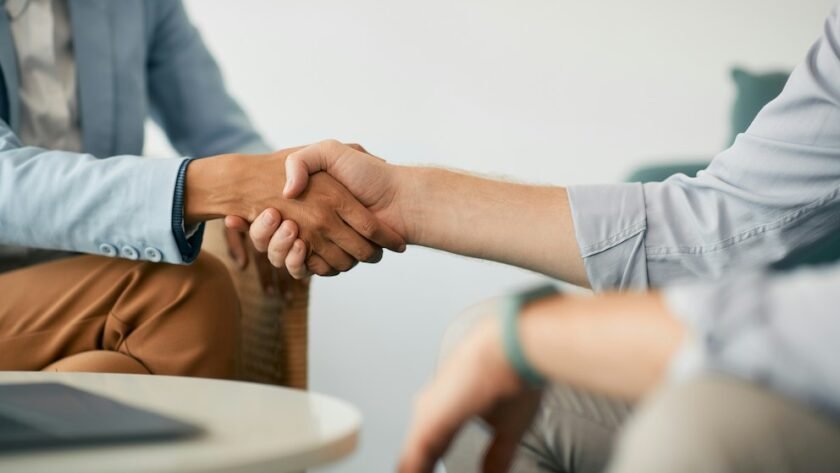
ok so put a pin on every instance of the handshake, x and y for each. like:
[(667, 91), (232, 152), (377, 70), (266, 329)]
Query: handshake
[(322, 222)]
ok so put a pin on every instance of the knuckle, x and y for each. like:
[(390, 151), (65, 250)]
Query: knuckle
[(368, 226), (276, 253), (331, 143), (323, 219)]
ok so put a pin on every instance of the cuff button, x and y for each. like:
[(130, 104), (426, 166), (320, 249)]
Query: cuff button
[(153, 255), (128, 252), (108, 250)]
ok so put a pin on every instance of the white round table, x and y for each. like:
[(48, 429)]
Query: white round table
[(249, 427)]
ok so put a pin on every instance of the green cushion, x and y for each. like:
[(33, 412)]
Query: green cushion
[(752, 93), (659, 172), (824, 251)]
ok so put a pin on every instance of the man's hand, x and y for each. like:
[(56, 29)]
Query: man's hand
[(475, 381), (370, 179), (526, 226), (616, 344), (278, 240), (330, 220)]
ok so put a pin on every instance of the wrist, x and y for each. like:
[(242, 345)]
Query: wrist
[(217, 186), (513, 308), (204, 196), (414, 203), (489, 344)]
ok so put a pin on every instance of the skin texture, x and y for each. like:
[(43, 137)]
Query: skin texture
[(448, 210), (329, 219), (619, 344)]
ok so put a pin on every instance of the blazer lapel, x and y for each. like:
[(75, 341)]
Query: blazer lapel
[(92, 49), (8, 63)]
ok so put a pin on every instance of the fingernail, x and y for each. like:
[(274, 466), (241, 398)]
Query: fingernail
[(268, 218), (402, 247), (287, 186)]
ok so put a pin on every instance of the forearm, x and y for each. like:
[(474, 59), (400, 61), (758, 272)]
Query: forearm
[(231, 184), (619, 344), (522, 225), (47, 201)]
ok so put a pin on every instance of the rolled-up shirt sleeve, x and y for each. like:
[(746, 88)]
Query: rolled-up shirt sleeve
[(611, 237), (778, 330), (775, 191)]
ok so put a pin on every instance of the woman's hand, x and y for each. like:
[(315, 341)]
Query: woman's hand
[(476, 380)]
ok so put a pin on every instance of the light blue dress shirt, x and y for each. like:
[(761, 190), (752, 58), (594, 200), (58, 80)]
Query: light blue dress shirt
[(134, 59), (775, 191)]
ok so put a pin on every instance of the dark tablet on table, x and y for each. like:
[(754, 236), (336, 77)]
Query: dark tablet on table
[(40, 415)]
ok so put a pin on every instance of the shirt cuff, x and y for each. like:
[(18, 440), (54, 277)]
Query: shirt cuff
[(189, 245), (610, 224)]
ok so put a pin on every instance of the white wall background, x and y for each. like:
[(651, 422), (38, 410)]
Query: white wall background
[(551, 91)]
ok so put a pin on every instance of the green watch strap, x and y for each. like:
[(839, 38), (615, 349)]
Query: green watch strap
[(512, 306)]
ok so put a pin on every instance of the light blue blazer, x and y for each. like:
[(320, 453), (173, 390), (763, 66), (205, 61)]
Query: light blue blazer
[(134, 59)]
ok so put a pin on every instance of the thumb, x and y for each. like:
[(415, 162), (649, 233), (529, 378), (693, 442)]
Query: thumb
[(302, 163)]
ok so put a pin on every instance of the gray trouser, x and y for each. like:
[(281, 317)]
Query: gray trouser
[(713, 424)]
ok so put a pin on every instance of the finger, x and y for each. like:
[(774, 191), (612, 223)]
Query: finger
[(236, 247), (309, 160), (429, 436), (316, 265), (335, 256), (299, 165), (263, 229), (296, 260), (376, 257), (358, 147), (499, 455), (367, 225), (510, 420), (351, 242), (281, 243), (237, 223)]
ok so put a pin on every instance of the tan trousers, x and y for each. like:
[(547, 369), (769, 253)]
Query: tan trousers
[(91, 313)]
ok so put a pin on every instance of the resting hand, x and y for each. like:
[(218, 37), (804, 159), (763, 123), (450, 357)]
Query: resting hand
[(476, 380)]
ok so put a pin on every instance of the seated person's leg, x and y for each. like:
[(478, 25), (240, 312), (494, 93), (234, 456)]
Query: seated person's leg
[(155, 318), (573, 432), (725, 425), (99, 361)]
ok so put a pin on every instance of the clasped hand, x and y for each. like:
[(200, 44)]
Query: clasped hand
[(328, 223)]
